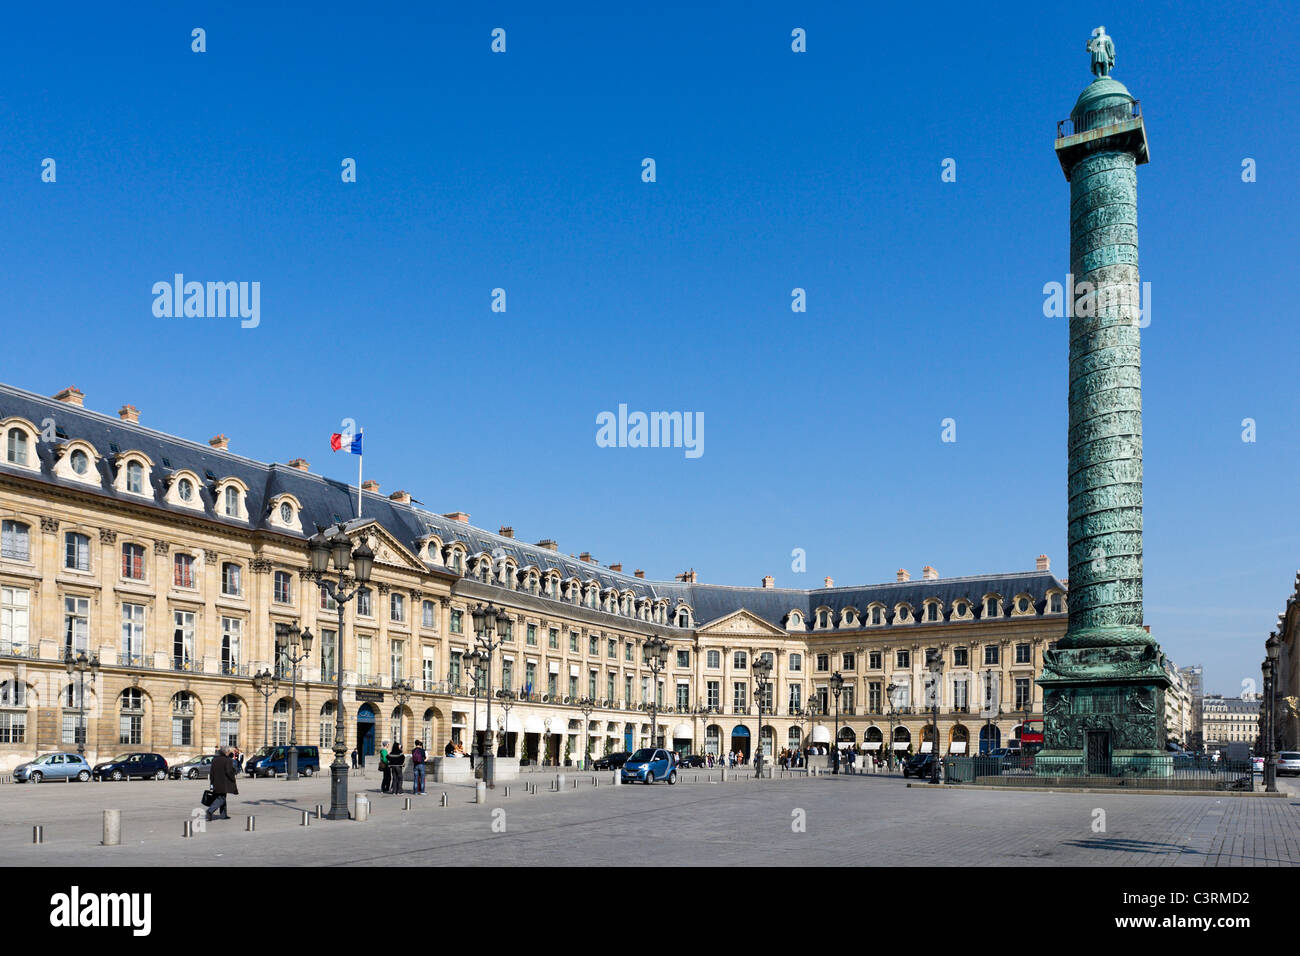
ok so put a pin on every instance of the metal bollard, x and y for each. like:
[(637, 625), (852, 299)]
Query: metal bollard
[(575, 783), (724, 774), (406, 803), (361, 808), (188, 831), (559, 782), (250, 824), (320, 811), (112, 828), (442, 802), (506, 790), (617, 775), (38, 834), (306, 819), (480, 792)]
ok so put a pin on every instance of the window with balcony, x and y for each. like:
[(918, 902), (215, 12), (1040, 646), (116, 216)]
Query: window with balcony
[(739, 696), (232, 633), (76, 624), (15, 619), (132, 652), (796, 698), (182, 640), (713, 694)]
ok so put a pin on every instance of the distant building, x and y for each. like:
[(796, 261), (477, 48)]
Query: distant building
[(1194, 678), (1228, 720), (1288, 679), (1180, 711)]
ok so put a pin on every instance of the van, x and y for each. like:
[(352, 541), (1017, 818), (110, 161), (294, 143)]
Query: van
[(269, 761)]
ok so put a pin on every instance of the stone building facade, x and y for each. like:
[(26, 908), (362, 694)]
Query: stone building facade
[(172, 562)]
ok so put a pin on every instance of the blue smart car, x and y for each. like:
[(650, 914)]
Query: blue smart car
[(647, 766)]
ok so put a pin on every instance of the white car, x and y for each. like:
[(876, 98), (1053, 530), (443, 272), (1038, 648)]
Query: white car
[(1288, 761)]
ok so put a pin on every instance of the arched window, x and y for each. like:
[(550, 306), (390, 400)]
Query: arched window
[(327, 720), (135, 477), (230, 711), (280, 714), (231, 497), (13, 712), (183, 719)]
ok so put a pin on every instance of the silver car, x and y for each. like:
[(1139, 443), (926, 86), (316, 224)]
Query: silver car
[(193, 768), (1288, 761), (58, 766)]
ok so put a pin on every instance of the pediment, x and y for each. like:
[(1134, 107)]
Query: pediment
[(741, 622), (389, 552)]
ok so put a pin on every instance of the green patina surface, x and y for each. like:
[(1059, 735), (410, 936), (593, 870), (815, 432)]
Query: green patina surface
[(1106, 676)]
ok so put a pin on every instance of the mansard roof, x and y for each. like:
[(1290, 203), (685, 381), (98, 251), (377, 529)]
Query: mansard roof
[(325, 501)]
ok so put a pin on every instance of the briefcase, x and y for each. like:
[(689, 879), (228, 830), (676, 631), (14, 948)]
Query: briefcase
[(208, 797)]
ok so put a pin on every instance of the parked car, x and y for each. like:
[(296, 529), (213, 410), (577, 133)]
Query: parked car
[(1288, 761), (692, 761), (1001, 752), (269, 761), (919, 765), (612, 761), (142, 765), (647, 766), (59, 766), (193, 768)]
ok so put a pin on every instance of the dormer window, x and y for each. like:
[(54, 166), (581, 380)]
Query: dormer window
[(796, 620), (286, 512), (185, 489), (1054, 604), (932, 612), (231, 499), (135, 477), (79, 461), (992, 607), (16, 447)]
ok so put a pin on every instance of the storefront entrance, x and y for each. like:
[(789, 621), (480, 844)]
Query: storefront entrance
[(365, 732)]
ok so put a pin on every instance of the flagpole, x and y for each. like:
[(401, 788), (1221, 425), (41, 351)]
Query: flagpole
[(360, 458)]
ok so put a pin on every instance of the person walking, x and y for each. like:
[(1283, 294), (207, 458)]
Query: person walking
[(221, 776), (354, 758), (417, 766), (396, 760), (383, 767)]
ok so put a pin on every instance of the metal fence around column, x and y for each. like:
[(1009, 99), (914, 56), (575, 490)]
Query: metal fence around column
[(1159, 772)]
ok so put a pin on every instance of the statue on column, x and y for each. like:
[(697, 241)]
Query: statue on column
[(1103, 52)]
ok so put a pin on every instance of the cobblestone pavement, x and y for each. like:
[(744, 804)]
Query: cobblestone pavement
[(847, 820)]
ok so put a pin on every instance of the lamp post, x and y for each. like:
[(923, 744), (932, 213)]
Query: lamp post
[(288, 639), (893, 713), (79, 665), (266, 684), (1273, 646), (762, 670), (489, 622), (655, 654), (935, 663), (586, 705), (809, 713), (507, 698), (475, 661), (837, 688), (402, 694), (337, 548)]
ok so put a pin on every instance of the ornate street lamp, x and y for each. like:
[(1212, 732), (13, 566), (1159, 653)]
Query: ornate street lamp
[(762, 670), (507, 698), (837, 688), (475, 661), (935, 663), (289, 639), (490, 625), (266, 684), (893, 712), (655, 653), (1273, 646), (79, 665), (586, 705), (401, 694), (337, 547)]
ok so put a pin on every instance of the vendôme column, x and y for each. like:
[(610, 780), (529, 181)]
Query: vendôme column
[(1103, 697)]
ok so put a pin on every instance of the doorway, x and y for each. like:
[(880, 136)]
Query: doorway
[(1099, 751), (365, 732), (740, 740)]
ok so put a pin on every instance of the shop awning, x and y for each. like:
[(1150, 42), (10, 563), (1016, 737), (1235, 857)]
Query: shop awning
[(554, 666), (873, 745), (901, 745), (927, 746), (958, 747), (533, 725), (683, 732), (820, 735)]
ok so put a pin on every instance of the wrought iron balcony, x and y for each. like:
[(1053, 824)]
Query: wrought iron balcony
[(1099, 119)]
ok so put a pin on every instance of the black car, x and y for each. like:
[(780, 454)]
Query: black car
[(692, 761), (128, 765), (919, 765), (612, 761)]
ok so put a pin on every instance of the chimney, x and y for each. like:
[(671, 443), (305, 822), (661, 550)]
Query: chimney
[(769, 581), (687, 577), (128, 413), (548, 544), (929, 574), (461, 516), (370, 485), (300, 463), (639, 573), (1043, 563), (401, 497), (904, 574), (72, 395), (506, 531), (829, 581), (616, 567), (219, 442), (586, 556)]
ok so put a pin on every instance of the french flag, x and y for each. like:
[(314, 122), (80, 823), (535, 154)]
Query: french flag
[(336, 443)]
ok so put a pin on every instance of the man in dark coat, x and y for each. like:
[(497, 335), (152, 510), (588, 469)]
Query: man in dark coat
[(222, 777)]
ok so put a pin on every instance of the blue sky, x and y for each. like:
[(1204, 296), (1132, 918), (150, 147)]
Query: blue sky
[(775, 170)]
